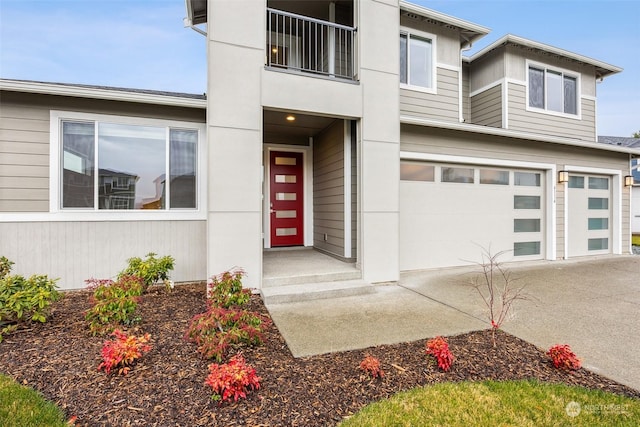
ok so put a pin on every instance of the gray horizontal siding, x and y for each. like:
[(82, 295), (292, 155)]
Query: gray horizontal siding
[(466, 89), (76, 251), (24, 141), (442, 106), (548, 124), (328, 189), (439, 141), (486, 107)]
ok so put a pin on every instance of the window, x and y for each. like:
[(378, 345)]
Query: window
[(553, 90), (417, 62), (527, 179), (457, 175), (598, 183), (416, 171), (112, 164), (526, 248), (495, 177), (576, 181), (526, 202), (598, 203)]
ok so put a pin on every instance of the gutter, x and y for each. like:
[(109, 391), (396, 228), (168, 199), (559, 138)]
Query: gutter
[(487, 130), (102, 93)]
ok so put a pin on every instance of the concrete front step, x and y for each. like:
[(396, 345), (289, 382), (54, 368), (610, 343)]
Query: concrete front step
[(315, 291), (269, 282)]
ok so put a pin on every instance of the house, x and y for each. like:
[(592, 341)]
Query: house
[(356, 128), (635, 173)]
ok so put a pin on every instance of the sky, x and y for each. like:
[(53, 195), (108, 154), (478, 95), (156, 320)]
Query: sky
[(143, 43)]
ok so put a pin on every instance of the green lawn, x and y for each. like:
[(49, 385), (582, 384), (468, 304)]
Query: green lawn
[(509, 403), (24, 407)]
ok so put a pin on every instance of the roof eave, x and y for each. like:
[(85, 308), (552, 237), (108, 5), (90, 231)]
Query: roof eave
[(487, 130), (603, 69), (101, 93), (471, 31), (196, 11)]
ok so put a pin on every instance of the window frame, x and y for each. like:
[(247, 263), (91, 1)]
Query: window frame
[(434, 65), (556, 70), (57, 117)]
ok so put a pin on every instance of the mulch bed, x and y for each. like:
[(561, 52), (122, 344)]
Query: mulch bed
[(166, 388)]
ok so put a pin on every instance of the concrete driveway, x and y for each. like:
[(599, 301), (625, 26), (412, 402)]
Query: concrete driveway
[(591, 304)]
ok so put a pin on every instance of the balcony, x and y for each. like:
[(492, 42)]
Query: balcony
[(307, 45)]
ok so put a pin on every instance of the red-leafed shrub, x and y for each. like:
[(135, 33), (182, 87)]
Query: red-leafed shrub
[(439, 349), (371, 365), (225, 289), (232, 379), (123, 351), (219, 328), (563, 358)]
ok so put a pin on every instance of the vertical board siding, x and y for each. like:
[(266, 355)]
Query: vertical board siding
[(328, 189), (443, 105), (486, 107), (548, 124), (76, 251)]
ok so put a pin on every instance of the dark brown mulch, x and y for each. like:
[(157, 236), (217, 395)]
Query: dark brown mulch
[(166, 388)]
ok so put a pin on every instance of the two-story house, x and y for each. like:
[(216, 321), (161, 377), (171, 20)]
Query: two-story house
[(356, 128)]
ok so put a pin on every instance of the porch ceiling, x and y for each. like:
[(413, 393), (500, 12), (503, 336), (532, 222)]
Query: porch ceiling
[(304, 125)]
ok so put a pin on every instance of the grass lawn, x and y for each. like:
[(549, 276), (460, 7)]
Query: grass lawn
[(635, 240), (24, 407), (515, 403)]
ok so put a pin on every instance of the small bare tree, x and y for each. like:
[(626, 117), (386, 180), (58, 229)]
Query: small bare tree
[(497, 288)]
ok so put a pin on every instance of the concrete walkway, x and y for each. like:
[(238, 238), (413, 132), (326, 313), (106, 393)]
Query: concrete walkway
[(592, 305)]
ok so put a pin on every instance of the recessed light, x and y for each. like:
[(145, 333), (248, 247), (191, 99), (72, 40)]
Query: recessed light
[(291, 118)]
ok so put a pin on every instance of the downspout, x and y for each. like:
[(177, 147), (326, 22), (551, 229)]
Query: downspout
[(188, 24), (465, 46)]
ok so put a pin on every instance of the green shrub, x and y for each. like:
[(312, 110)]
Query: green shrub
[(225, 289), (25, 300), (5, 267), (151, 269), (113, 303)]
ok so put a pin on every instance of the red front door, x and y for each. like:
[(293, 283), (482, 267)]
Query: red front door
[(287, 217)]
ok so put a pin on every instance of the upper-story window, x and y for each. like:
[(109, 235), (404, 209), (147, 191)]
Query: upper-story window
[(417, 60), (109, 163), (553, 90)]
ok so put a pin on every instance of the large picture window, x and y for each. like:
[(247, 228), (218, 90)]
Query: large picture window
[(122, 166), (553, 90), (417, 60)]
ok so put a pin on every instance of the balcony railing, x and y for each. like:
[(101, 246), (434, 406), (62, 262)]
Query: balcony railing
[(304, 44)]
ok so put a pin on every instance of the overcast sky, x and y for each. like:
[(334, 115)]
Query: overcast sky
[(143, 44)]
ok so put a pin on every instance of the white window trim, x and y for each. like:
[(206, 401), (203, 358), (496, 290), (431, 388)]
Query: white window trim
[(616, 205), (565, 72), (56, 213), (549, 187), (434, 63)]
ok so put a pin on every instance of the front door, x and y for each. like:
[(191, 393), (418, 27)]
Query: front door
[(286, 197)]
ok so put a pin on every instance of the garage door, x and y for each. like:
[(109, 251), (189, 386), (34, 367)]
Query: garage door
[(589, 215), (450, 212)]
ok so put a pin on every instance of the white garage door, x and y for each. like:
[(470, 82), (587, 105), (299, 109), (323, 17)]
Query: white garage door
[(589, 215), (450, 212)]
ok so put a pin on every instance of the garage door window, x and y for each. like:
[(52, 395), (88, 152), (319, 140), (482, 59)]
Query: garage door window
[(415, 171), (526, 248), (526, 179), (598, 203), (598, 183), (598, 244), (495, 177), (529, 225), (576, 182), (462, 175), (598, 223), (526, 202)]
